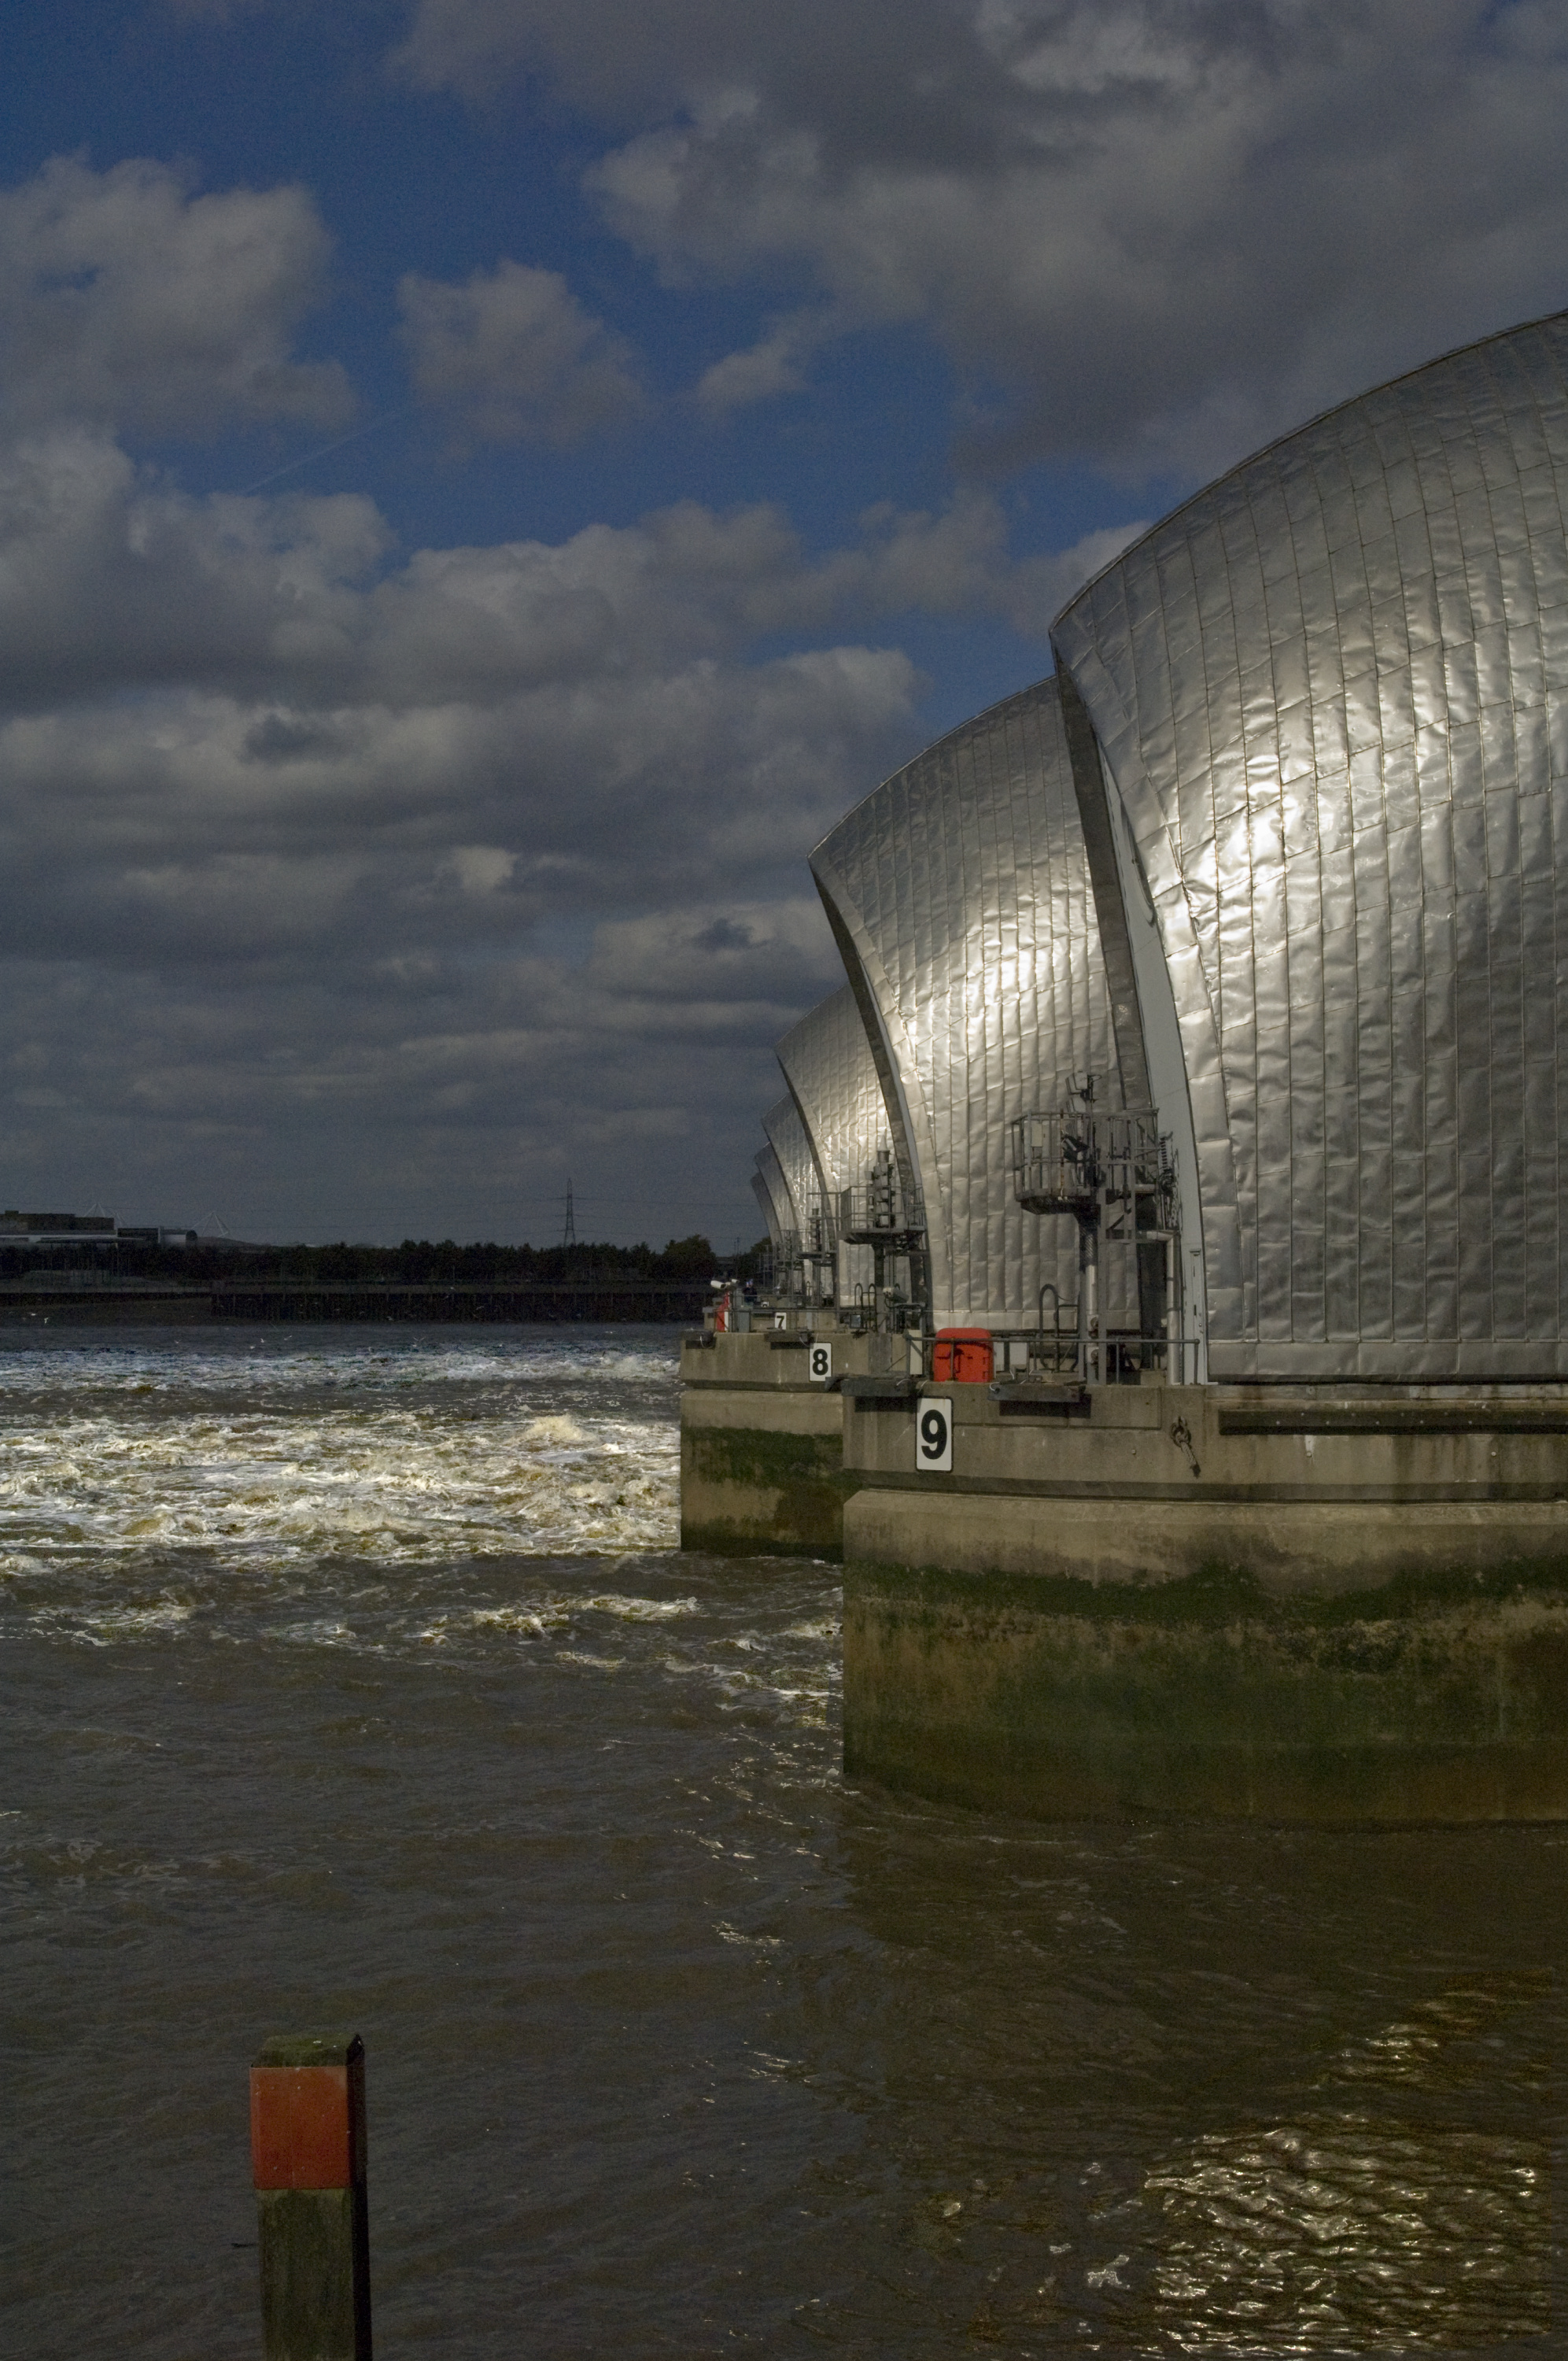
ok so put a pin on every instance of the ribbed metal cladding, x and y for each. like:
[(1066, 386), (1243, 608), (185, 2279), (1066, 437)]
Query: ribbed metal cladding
[(781, 1219), (768, 1210), (787, 1139), (832, 1076), (1331, 696), (959, 896)]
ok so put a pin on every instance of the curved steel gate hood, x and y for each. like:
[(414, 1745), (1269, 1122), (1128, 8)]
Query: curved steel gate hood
[(832, 1077), (959, 896), (1328, 780)]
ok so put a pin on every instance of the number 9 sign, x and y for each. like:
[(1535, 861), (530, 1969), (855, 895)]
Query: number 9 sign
[(933, 1434)]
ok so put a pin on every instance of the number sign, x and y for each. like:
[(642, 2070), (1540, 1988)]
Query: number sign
[(819, 1362), (933, 1434)]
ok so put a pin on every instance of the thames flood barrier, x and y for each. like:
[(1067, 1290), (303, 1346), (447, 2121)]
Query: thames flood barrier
[(1188, 1137)]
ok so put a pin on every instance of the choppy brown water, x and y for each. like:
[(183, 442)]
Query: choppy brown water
[(351, 1680)]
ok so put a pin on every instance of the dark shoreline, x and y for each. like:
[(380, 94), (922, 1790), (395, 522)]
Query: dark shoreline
[(640, 1302)]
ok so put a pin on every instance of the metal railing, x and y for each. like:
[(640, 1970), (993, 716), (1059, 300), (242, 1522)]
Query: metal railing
[(819, 1240), (880, 1211), (1114, 1356), (1113, 1170), (1084, 1155)]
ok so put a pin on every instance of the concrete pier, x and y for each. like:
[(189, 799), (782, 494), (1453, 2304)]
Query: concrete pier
[(1228, 1600), (763, 1465)]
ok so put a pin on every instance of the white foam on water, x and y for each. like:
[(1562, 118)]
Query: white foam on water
[(641, 1611), (525, 1620), (351, 1362), (399, 1484), (322, 1634), (102, 1627), (381, 1503), (542, 1433)]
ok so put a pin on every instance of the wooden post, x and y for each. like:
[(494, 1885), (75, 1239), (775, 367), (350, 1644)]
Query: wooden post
[(307, 2147)]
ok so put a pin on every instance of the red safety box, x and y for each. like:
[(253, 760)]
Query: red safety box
[(962, 1356)]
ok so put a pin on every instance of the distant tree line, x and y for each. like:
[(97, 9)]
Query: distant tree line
[(418, 1263)]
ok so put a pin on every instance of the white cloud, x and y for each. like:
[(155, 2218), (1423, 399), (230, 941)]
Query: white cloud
[(110, 581), (1153, 234), (513, 356), (124, 299), (481, 869), (775, 364), (318, 860)]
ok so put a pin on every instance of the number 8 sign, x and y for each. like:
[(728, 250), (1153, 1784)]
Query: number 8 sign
[(933, 1434), (819, 1364)]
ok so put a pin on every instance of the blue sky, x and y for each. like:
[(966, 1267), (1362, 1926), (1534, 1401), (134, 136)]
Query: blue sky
[(483, 487)]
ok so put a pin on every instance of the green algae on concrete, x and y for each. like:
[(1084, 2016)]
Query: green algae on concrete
[(1421, 1699), (1225, 1601), (762, 1466), (747, 1490)]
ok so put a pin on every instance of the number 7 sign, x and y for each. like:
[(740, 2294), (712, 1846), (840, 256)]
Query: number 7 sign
[(933, 1434)]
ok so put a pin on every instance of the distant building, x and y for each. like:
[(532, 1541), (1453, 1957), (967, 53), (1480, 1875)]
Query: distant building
[(77, 1241), (53, 1229)]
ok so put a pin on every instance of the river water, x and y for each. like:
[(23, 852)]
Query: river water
[(352, 1676)]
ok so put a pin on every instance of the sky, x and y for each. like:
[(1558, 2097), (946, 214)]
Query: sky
[(486, 484)]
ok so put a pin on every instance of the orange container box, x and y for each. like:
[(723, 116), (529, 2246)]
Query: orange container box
[(962, 1356)]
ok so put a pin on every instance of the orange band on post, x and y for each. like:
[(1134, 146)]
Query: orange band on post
[(301, 2127)]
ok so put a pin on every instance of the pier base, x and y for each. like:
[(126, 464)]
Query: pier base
[(761, 1451), (762, 1468), (1185, 1599)]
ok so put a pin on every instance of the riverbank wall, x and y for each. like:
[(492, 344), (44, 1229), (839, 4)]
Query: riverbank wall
[(104, 1307)]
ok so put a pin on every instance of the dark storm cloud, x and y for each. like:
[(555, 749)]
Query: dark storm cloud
[(229, 725), (440, 1100), (282, 810), (1147, 232)]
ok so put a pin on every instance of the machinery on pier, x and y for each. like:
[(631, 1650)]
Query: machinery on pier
[(819, 1252), (881, 1214), (1113, 1169)]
